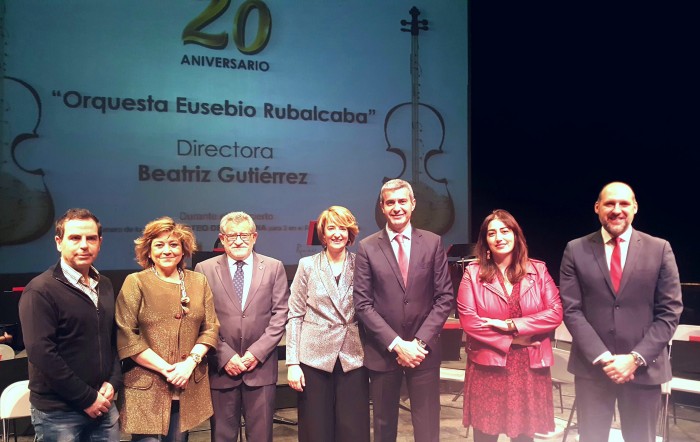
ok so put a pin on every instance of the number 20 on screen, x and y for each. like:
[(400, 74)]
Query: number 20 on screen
[(193, 34)]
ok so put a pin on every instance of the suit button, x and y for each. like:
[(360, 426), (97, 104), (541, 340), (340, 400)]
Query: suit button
[(405, 301), (184, 357), (243, 316), (178, 316), (617, 307)]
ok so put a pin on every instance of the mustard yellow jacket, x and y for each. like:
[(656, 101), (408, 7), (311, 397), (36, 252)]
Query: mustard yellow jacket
[(149, 314)]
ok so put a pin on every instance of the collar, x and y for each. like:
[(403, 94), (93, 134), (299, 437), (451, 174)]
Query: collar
[(73, 276), (530, 268), (406, 232), (248, 261), (626, 235)]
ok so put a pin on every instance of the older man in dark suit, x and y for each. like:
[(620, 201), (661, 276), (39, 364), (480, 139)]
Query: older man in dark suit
[(622, 301), (250, 296), (403, 295)]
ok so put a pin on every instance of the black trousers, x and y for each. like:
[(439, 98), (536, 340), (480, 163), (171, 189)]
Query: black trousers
[(483, 437), (424, 392), (334, 406), (595, 403)]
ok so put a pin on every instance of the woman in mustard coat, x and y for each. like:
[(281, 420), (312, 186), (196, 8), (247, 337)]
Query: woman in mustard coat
[(166, 324)]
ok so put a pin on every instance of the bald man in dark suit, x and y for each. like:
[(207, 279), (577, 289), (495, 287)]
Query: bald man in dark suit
[(622, 312), (403, 295)]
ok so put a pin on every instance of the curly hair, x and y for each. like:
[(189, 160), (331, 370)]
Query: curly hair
[(156, 228)]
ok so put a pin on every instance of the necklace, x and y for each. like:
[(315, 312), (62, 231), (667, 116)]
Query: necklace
[(184, 299), (336, 266)]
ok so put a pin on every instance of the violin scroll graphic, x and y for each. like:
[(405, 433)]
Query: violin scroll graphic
[(412, 123)]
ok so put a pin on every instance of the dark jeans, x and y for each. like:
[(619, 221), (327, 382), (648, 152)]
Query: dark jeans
[(69, 426)]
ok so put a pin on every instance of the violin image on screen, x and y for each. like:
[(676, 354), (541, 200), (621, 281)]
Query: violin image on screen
[(422, 127), (27, 206)]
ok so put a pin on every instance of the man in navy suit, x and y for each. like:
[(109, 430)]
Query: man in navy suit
[(622, 301), (403, 295)]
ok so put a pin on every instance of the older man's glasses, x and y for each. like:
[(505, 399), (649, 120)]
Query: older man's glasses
[(231, 237)]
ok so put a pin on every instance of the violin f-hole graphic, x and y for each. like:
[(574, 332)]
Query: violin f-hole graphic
[(27, 206)]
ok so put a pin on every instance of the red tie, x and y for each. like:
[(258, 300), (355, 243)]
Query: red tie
[(616, 265), (402, 258)]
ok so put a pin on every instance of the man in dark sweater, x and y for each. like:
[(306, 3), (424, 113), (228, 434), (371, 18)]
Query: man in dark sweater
[(67, 317)]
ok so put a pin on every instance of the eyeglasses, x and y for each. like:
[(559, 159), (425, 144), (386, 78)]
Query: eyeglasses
[(231, 237)]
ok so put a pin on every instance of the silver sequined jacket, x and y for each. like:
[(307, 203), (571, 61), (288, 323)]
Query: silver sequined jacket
[(322, 325)]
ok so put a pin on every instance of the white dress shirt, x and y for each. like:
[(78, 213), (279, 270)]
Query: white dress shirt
[(610, 245)]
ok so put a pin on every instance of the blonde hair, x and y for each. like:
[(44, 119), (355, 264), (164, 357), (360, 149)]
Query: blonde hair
[(339, 216)]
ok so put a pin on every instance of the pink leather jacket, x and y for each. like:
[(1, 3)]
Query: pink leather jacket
[(540, 304)]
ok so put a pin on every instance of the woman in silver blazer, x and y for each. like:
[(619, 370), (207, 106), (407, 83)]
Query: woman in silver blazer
[(324, 352)]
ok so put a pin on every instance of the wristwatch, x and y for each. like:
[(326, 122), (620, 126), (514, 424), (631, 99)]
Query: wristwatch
[(638, 361), (196, 358), (421, 343)]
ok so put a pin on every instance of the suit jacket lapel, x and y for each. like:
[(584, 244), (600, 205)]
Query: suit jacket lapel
[(258, 273), (224, 274), (598, 248), (633, 252), (345, 284), (327, 279), (416, 250), (385, 246)]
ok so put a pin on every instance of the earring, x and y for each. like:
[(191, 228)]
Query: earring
[(488, 254)]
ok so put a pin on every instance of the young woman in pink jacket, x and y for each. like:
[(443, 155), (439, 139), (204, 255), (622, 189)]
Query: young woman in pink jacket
[(508, 306)]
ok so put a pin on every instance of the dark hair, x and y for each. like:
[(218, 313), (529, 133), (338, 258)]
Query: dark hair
[(518, 266), (153, 230), (71, 214)]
